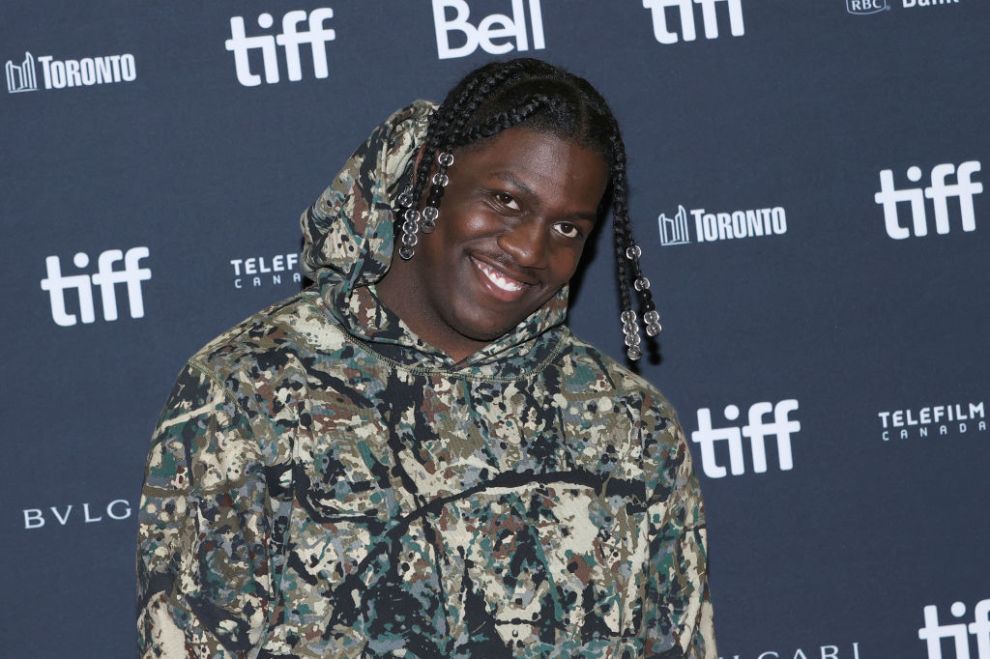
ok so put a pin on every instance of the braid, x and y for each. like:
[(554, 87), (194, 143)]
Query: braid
[(503, 95)]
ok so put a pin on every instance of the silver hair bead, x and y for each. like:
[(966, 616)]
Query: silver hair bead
[(446, 159), (652, 329), (441, 179), (406, 252), (651, 317), (431, 213), (410, 239), (633, 252), (633, 339), (634, 353), (641, 283), (628, 316), (427, 226)]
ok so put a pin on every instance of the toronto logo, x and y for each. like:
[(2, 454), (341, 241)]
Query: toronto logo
[(710, 226), (58, 74)]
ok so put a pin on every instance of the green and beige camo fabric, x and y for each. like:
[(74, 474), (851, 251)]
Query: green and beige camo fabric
[(323, 483)]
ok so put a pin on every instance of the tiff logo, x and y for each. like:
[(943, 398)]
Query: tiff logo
[(290, 39), (504, 28), (866, 7), (106, 278), (674, 230), (685, 11), (757, 430), (21, 77), (964, 189), (933, 632)]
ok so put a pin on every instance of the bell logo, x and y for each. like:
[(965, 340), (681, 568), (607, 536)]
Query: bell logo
[(756, 431), (685, 10), (491, 28), (933, 632), (964, 189), (290, 39), (106, 278)]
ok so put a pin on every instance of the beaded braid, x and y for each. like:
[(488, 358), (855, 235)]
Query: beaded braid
[(564, 104)]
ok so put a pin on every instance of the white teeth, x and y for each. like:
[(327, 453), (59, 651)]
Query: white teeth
[(500, 280)]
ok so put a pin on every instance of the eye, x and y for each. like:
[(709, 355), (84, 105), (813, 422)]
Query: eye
[(567, 230), (507, 200)]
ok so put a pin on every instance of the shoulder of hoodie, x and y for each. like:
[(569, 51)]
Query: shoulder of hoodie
[(625, 382), (298, 326)]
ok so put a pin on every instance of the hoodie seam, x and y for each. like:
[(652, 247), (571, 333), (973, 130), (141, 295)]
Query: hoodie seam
[(456, 374)]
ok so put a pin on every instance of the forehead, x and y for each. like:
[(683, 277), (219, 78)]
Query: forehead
[(543, 161)]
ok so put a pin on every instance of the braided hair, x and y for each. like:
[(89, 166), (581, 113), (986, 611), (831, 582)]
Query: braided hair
[(543, 97)]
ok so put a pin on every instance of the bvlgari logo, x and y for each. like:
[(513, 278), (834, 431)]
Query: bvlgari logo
[(76, 513), (844, 651)]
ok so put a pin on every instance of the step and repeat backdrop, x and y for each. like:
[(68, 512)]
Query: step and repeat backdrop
[(809, 182)]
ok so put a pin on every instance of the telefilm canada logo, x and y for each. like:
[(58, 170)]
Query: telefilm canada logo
[(22, 76), (106, 278), (688, 13), (757, 430), (710, 226), (259, 271), (940, 190), (70, 514), (867, 7), (933, 421), (850, 651), (935, 631), (458, 35), (298, 28)]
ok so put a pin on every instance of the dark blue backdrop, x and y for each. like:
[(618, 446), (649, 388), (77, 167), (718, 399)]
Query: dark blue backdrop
[(846, 336)]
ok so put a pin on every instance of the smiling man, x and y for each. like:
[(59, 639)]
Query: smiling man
[(416, 457)]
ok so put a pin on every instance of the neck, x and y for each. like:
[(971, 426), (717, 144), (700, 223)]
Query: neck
[(402, 292)]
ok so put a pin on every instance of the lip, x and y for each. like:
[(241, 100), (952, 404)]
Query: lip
[(483, 267)]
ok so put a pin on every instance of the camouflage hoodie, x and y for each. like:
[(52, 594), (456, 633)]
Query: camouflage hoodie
[(323, 483)]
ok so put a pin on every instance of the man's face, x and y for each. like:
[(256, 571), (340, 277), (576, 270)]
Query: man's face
[(513, 223)]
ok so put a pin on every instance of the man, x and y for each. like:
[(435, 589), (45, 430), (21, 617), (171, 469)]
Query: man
[(416, 457)]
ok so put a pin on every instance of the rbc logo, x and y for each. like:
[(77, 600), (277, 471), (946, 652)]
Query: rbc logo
[(864, 7), (933, 632), (495, 26), (290, 39), (939, 192), (709, 18), (106, 278), (756, 431)]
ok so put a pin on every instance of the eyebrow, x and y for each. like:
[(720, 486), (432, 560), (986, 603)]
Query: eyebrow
[(525, 189)]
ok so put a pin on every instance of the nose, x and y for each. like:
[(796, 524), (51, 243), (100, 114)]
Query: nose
[(526, 243)]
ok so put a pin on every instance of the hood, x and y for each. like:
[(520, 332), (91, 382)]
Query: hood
[(348, 242)]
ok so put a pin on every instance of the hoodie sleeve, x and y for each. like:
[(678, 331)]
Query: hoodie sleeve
[(677, 610), (204, 528)]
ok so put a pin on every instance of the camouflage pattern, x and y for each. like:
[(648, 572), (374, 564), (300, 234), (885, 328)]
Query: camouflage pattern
[(323, 483)]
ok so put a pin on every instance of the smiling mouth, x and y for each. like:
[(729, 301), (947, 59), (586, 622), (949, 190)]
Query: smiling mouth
[(500, 282)]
